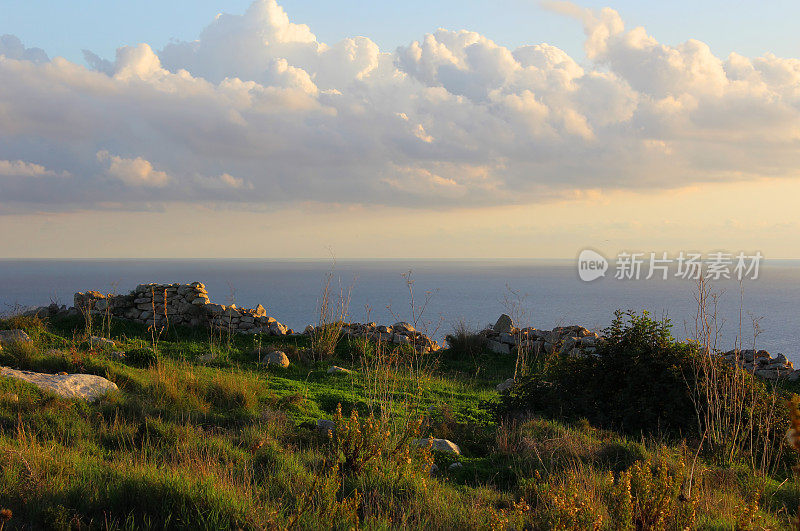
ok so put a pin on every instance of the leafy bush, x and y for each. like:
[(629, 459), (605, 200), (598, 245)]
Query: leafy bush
[(141, 357), (637, 381)]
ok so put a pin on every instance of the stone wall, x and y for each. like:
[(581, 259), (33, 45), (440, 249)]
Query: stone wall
[(505, 338), (179, 304), (397, 334)]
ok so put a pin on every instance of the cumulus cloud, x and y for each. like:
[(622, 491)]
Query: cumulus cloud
[(20, 168), (133, 172), (257, 110)]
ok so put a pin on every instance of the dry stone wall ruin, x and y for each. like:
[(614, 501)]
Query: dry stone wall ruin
[(179, 304)]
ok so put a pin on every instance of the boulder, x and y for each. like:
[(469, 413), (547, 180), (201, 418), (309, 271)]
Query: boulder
[(504, 325), (277, 329), (455, 466), (13, 336), (84, 386), (277, 358), (326, 426), (439, 445), (403, 327), (338, 370)]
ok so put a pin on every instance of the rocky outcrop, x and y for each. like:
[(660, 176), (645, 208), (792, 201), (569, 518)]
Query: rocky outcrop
[(179, 304), (84, 386)]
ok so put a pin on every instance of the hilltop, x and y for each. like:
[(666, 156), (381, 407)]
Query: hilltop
[(345, 427)]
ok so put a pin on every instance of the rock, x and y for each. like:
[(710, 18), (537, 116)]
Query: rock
[(13, 336), (326, 426), (455, 466), (434, 469), (508, 339), (505, 386), (496, 346), (403, 327), (85, 386), (439, 445), (276, 357), (338, 370), (260, 311), (277, 329), (769, 374), (503, 325)]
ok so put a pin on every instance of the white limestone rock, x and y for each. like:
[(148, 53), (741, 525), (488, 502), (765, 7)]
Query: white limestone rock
[(85, 386)]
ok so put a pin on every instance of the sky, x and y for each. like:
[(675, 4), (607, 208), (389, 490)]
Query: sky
[(504, 129)]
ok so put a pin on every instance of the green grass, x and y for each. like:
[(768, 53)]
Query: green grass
[(229, 444)]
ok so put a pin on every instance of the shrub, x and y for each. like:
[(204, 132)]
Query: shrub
[(141, 357), (637, 381), (358, 442), (648, 496)]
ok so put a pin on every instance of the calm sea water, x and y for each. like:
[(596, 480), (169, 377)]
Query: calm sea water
[(477, 292)]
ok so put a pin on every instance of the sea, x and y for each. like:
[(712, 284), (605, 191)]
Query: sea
[(438, 295)]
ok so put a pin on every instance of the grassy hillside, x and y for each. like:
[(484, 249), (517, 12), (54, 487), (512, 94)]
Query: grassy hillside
[(202, 436)]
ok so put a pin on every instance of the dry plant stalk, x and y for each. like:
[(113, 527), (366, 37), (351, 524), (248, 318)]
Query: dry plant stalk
[(733, 418), (156, 331), (332, 313)]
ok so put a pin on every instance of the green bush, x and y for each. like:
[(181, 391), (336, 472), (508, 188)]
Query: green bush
[(141, 357), (637, 382)]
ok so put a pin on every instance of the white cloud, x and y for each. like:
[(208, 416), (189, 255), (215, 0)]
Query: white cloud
[(133, 172), (451, 119), (20, 168)]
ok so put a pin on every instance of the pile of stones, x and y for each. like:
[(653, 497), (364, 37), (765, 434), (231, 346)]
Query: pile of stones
[(179, 304), (762, 364), (397, 334), (504, 338)]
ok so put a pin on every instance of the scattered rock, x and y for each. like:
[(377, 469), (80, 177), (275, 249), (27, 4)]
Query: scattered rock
[(276, 357), (338, 370), (434, 469), (86, 386), (505, 386), (13, 336), (440, 445), (455, 466)]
